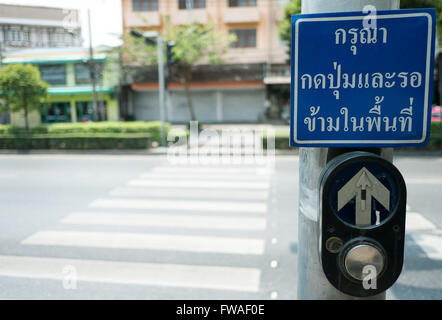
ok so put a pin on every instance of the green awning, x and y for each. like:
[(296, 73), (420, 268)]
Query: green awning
[(53, 59), (78, 90)]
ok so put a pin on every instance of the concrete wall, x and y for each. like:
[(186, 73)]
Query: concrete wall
[(263, 17)]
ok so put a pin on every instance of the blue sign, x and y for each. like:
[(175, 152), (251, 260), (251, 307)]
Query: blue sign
[(362, 80)]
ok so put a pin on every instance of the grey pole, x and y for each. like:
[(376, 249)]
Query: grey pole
[(92, 68), (312, 283), (162, 88)]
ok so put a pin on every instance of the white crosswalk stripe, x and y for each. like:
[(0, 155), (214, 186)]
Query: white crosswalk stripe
[(425, 234), (425, 181), (417, 222), (198, 184), (198, 193), (171, 275), (430, 243), (167, 220), (204, 176), (206, 206), (147, 242), (259, 171)]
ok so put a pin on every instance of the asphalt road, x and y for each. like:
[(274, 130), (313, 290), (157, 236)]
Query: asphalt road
[(139, 227)]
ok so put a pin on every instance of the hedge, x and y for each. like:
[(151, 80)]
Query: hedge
[(75, 141), (95, 135), (436, 135), (281, 139), (152, 128)]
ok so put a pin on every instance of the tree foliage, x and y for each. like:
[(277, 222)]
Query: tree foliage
[(136, 52), (285, 25), (437, 4), (23, 89), (194, 44), (294, 7)]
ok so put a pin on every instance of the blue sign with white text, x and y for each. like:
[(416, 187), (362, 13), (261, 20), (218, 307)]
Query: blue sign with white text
[(362, 80)]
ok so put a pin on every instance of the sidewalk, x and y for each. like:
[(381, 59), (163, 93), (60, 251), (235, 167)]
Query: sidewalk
[(160, 151)]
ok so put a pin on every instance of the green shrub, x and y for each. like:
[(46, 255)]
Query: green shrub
[(96, 135), (76, 141), (436, 135), (152, 128), (13, 130), (436, 127), (4, 128), (281, 139)]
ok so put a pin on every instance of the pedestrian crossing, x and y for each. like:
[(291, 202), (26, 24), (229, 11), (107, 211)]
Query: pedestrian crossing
[(187, 209), (216, 216), (425, 234)]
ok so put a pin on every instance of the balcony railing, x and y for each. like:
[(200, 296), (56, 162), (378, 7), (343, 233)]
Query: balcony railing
[(182, 17), (142, 19)]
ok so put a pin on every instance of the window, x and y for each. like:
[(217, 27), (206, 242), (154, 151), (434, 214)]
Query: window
[(14, 34), (192, 4), (242, 3), (82, 73), (245, 38), (145, 5), (54, 74), (85, 111), (26, 35), (57, 112)]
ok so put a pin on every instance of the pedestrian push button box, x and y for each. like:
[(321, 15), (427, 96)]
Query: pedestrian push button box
[(362, 201)]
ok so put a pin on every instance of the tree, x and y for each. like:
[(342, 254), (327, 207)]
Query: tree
[(195, 44), (437, 4), (285, 25), (294, 7), (22, 88)]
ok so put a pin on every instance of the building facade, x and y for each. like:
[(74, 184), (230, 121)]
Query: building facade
[(38, 27), (242, 88), (67, 71)]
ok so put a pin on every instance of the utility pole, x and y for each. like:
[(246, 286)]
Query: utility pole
[(161, 81), (162, 88), (92, 69), (1, 55), (312, 282)]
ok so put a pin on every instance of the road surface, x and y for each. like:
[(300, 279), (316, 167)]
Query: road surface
[(139, 227)]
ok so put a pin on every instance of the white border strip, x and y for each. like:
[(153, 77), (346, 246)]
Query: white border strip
[(427, 80)]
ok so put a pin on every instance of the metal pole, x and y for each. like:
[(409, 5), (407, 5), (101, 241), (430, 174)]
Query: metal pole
[(162, 88), (312, 283), (92, 67), (1, 55)]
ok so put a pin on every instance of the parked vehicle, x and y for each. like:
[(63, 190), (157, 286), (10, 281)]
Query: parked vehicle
[(436, 114)]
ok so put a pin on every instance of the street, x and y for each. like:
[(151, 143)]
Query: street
[(139, 227)]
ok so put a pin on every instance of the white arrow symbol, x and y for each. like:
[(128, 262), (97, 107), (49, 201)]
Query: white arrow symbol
[(363, 186)]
